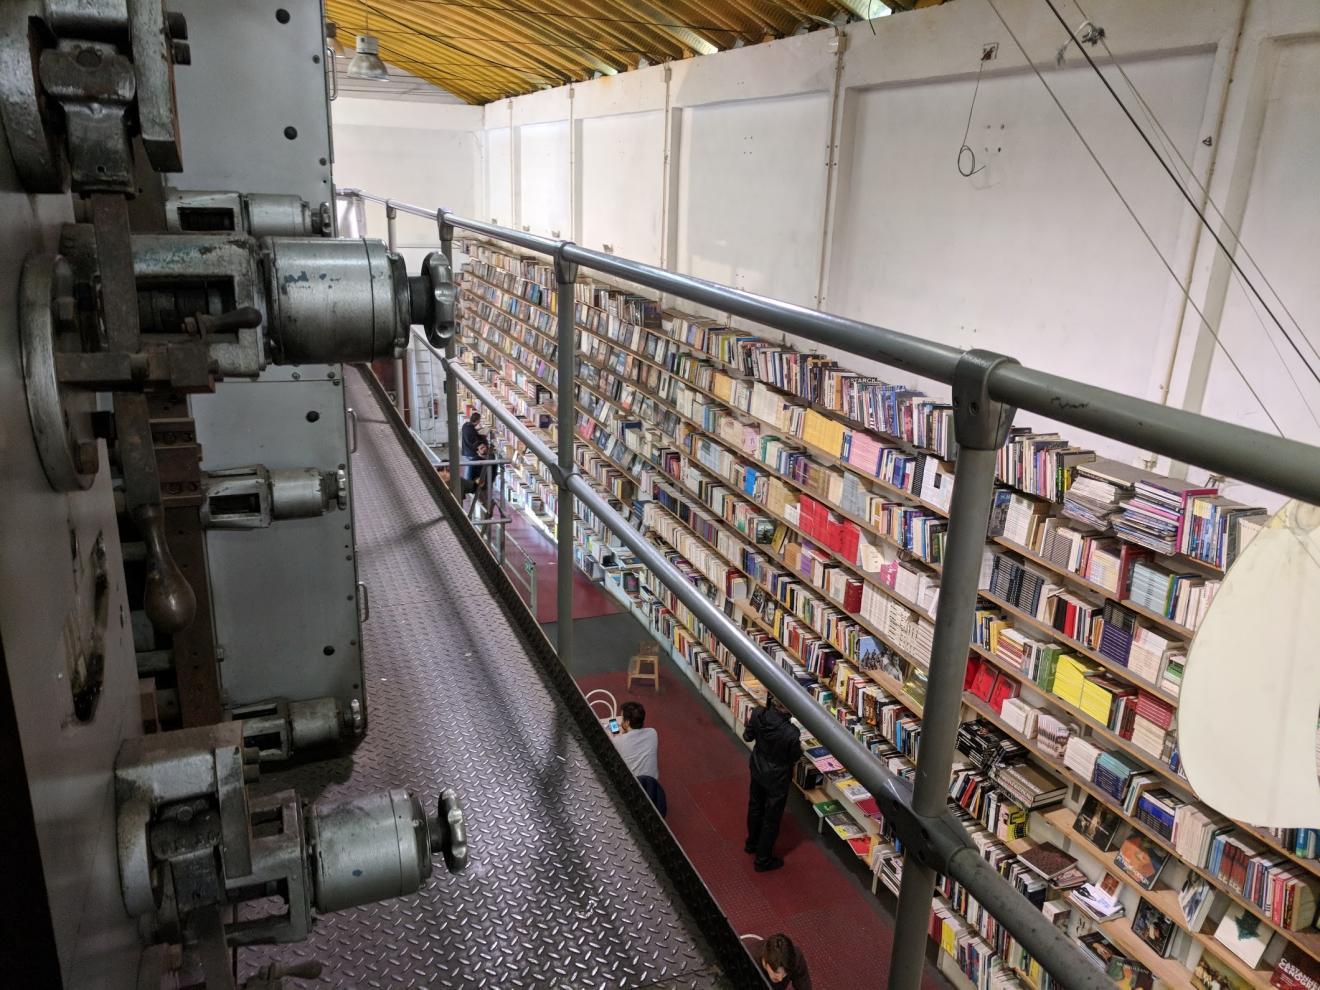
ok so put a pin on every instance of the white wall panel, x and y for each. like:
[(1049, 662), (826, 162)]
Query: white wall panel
[(1281, 231), (621, 173), (1033, 255), (432, 163), (751, 193), (499, 177), (543, 177)]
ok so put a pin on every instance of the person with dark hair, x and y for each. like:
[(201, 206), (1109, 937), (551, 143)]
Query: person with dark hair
[(778, 747), (781, 960), (638, 745), (470, 487), (472, 441)]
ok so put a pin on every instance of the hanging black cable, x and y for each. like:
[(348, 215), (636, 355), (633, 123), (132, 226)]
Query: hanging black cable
[(967, 166), (1232, 260)]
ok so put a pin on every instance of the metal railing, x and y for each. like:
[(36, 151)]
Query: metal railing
[(490, 520), (986, 389)]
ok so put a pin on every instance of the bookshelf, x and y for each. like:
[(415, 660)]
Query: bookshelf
[(685, 662), (691, 411)]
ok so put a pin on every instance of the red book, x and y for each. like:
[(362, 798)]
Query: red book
[(984, 684), (1296, 971), (974, 665), (852, 596), (851, 541), (1004, 689), (834, 529)]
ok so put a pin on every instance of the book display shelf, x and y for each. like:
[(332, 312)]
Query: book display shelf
[(810, 503)]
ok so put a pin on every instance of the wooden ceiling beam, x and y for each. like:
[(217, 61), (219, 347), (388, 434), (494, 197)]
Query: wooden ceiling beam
[(425, 48), (474, 83), (717, 15), (621, 19), (663, 22), (865, 10), (567, 64), (755, 15)]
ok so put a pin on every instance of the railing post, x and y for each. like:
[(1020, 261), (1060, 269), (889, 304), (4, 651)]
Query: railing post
[(565, 277), (402, 370), (980, 427), (446, 232)]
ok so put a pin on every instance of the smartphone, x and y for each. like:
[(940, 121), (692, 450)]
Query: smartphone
[(614, 725)]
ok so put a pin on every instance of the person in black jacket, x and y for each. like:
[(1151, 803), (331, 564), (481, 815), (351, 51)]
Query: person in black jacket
[(472, 440), (777, 749)]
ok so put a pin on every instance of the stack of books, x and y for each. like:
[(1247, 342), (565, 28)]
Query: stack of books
[(1216, 530), (1080, 756), (1153, 517), (1117, 626), (1195, 831), (1157, 809), (1053, 865), (1053, 736), (1070, 675), (1099, 900), (1021, 717), (1151, 725), (1102, 696), (1097, 491), (1113, 772), (1029, 785), (1149, 653)]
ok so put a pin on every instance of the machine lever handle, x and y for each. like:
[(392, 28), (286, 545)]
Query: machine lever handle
[(169, 600)]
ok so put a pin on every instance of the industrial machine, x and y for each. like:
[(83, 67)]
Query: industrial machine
[(176, 551)]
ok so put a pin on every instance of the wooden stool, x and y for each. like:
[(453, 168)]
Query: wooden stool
[(645, 666)]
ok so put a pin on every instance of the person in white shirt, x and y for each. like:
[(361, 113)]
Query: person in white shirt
[(638, 745)]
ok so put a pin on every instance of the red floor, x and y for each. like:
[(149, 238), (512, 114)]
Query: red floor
[(837, 924), (589, 599)]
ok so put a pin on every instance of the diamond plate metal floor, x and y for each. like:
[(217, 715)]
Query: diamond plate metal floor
[(561, 891)]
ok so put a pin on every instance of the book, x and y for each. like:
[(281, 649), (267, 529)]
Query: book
[(1296, 970), (1195, 899), (1046, 859), (1057, 912), (1128, 974), (1153, 927), (1243, 934), (1125, 972), (1141, 859), (1212, 974), (1097, 823), (1099, 900)]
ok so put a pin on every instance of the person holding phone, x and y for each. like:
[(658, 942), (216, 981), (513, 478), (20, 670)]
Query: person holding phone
[(638, 745)]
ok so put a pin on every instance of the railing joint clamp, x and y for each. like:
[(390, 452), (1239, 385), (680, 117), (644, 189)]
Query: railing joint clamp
[(562, 476), (566, 272), (979, 422)]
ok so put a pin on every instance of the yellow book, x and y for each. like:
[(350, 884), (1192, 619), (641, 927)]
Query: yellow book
[(1096, 701), (722, 386)]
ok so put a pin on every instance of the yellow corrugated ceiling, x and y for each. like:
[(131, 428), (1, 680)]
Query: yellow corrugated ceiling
[(484, 50)]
